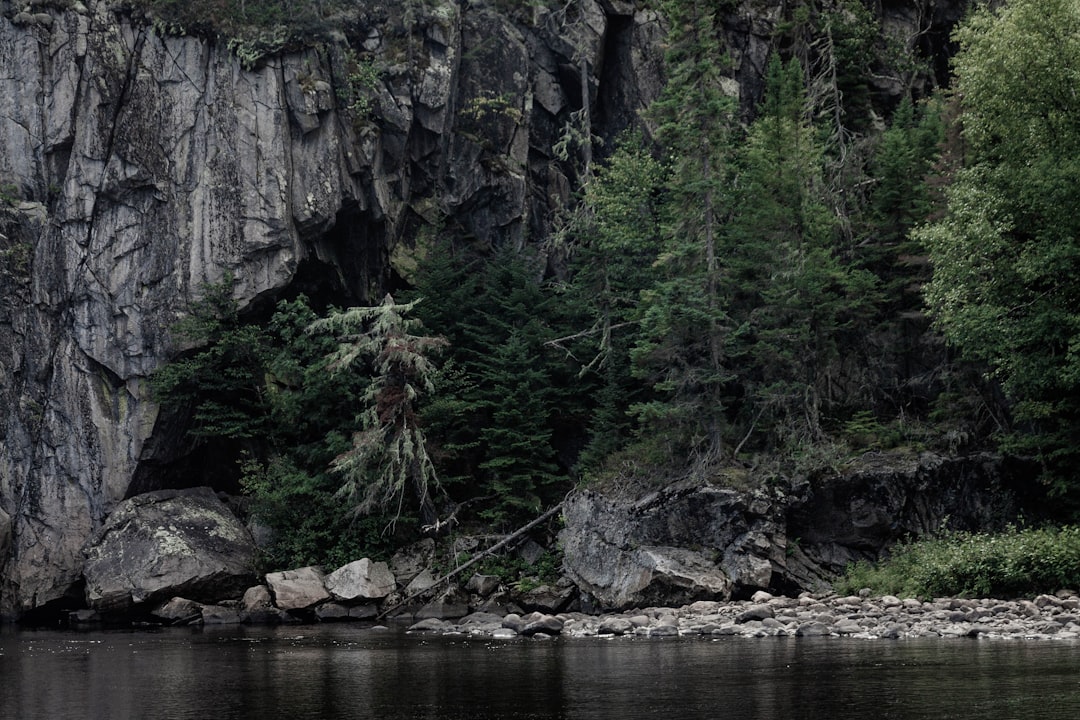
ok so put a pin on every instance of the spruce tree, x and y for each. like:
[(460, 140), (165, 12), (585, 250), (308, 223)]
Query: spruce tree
[(617, 242), (795, 294), (389, 457), (684, 323)]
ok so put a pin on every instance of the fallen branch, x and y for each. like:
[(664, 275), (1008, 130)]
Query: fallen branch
[(475, 559)]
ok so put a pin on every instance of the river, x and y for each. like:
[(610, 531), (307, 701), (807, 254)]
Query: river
[(330, 672)]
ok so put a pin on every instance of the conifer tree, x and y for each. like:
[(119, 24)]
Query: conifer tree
[(681, 351), (618, 241), (794, 293), (389, 455)]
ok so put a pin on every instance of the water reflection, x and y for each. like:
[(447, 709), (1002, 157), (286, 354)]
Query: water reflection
[(330, 672)]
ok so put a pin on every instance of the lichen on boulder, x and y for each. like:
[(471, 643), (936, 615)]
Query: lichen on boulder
[(165, 544)]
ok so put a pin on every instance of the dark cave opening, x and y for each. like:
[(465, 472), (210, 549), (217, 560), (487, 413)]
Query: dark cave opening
[(347, 265)]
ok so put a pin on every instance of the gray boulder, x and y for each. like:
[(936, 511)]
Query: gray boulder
[(420, 583), (178, 611), (298, 589), (221, 615), (453, 603), (482, 585), (361, 579), (165, 544), (410, 561), (257, 607), (541, 623)]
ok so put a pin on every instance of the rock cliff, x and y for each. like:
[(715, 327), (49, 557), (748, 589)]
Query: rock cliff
[(705, 540), (137, 166)]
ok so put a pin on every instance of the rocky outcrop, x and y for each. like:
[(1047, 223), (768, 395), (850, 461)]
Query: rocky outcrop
[(166, 544), (702, 540), (136, 167)]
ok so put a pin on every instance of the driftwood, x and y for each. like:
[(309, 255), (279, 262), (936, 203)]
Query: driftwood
[(475, 559)]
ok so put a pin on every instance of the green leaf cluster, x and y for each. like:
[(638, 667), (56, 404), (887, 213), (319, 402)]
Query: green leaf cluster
[(1014, 563), (1006, 253)]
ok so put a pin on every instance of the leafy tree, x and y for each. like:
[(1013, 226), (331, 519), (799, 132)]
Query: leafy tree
[(1006, 255), (389, 453)]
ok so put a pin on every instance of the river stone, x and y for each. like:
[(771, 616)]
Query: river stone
[(453, 603), (220, 615), (257, 606), (332, 611), (430, 625), (165, 544), (813, 629), (178, 610), (615, 626), (410, 561), (482, 585), (755, 612), (547, 624), (361, 579), (298, 589)]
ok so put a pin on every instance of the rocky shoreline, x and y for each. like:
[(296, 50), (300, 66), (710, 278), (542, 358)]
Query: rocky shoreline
[(1046, 617)]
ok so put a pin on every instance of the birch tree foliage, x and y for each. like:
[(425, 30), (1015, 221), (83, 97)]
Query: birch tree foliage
[(1006, 255), (389, 458)]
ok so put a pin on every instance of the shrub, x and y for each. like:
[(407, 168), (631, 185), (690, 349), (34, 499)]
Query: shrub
[(1010, 564)]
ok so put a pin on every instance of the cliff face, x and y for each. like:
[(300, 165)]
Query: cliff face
[(135, 167)]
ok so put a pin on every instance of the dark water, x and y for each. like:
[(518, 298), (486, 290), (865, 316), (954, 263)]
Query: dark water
[(331, 672)]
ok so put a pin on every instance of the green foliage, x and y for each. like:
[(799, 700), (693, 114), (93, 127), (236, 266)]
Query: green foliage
[(493, 422), (684, 323), (793, 294), (252, 29), (362, 77), (617, 239), (389, 456), (222, 381), (305, 517), (1006, 254), (1010, 564)]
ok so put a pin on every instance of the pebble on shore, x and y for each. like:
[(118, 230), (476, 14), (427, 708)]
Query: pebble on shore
[(1046, 617)]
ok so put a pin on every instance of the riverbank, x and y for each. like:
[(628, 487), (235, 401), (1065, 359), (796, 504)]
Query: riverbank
[(1046, 617)]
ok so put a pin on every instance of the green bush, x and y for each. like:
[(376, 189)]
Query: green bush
[(1014, 563)]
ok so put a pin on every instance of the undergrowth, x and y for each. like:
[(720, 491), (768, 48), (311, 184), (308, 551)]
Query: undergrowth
[(1014, 563)]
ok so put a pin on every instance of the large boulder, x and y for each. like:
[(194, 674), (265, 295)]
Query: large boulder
[(165, 544), (361, 579), (298, 589)]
